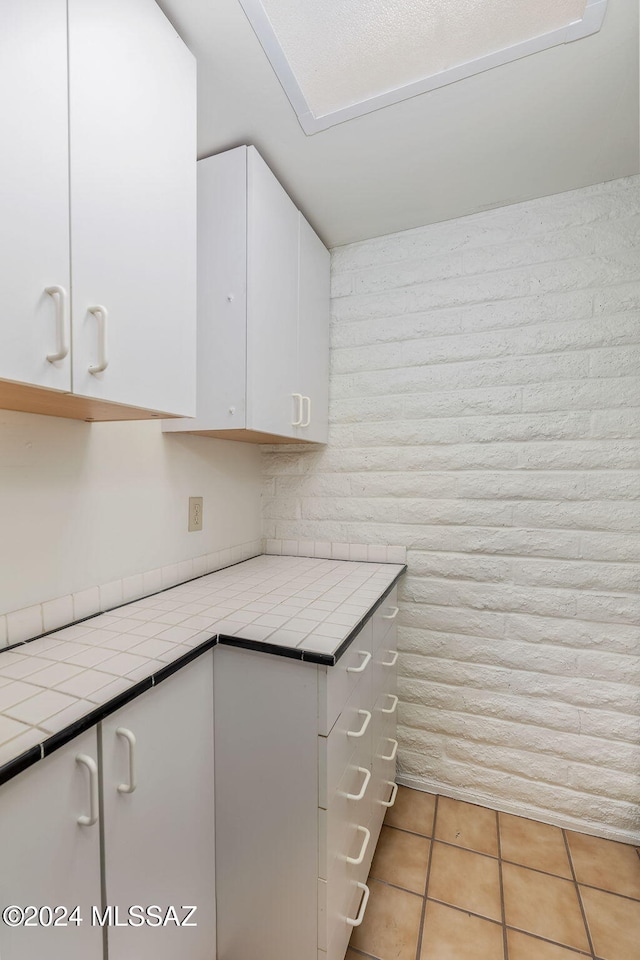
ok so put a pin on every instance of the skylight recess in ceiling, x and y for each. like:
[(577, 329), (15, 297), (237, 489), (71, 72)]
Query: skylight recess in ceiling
[(340, 59)]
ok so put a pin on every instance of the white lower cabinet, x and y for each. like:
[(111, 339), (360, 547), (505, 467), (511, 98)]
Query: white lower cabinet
[(157, 781), (305, 770), (148, 803), (49, 858)]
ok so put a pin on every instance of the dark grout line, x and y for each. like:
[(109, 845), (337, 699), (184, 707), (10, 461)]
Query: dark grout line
[(578, 894), (505, 942), (426, 882), (536, 936), (465, 910)]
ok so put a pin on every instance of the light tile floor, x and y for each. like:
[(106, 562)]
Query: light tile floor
[(454, 881)]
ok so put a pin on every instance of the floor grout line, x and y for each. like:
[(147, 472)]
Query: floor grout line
[(514, 863), (578, 894), (426, 883), (505, 941)]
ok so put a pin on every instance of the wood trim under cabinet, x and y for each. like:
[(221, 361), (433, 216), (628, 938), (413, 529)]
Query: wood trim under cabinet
[(247, 436), (51, 403)]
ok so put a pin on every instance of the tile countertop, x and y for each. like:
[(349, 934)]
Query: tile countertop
[(56, 685)]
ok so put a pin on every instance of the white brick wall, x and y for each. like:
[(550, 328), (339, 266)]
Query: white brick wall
[(485, 413)]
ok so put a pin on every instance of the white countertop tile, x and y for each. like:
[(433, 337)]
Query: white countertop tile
[(305, 603)]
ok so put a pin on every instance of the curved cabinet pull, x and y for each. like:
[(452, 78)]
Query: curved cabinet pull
[(307, 419), (297, 399), (363, 789), (365, 724), (101, 314), (90, 764), (394, 793), (363, 906), (59, 296), (391, 616), (394, 750), (394, 707), (392, 662), (365, 843), (363, 665), (131, 740)]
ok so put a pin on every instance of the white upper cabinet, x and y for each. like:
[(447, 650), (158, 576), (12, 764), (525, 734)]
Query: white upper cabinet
[(263, 308), (133, 188), (34, 193), (98, 206)]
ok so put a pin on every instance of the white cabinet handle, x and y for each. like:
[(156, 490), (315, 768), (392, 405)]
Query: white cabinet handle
[(363, 789), (90, 764), (297, 399), (307, 419), (393, 661), (361, 731), (391, 616), (59, 296), (394, 793), (131, 740), (363, 665), (363, 906), (101, 315), (394, 750), (394, 707), (365, 843)]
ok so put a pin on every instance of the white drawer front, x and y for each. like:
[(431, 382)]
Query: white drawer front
[(351, 732), (338, 683), (384, 617)]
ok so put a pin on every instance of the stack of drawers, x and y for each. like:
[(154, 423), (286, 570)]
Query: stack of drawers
[(356, 782)]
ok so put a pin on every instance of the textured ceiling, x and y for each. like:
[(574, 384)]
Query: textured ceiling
[(553, 121), (345, 51)]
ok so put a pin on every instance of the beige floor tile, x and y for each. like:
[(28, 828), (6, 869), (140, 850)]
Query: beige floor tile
[(546, 906), (413, 810), (450, 934), (401, 858), (524, 947), (464, 879), (605, 864), (391, 924), (534, 845), (614, 923), (467, 826)]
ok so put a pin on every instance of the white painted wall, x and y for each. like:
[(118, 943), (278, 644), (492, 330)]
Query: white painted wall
[(485, 414), (88, 504)]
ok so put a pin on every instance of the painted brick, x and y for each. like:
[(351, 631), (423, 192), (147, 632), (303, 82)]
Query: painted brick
[(485, 414)]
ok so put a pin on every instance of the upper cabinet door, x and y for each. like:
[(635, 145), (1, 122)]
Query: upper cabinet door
[(272, 303), (313, 334), (133, 205), (34, 196)]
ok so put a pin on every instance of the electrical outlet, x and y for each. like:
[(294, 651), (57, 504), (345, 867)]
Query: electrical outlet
[(195, 513)]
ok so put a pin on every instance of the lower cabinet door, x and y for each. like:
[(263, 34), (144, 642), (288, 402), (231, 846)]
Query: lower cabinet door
[(159, 820), (50, 859)]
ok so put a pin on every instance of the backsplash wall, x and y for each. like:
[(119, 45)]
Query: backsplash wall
[(484, 414), (84, 506)]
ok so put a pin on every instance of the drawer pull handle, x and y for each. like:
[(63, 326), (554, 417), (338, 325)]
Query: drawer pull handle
[(393, 661), (101, 314), (365, 724), (365, 843), (307, 419), (395, 704), (363, 906), (297, 422), (394, 750), (363, 665), (131, 740), (363, 789), (394, 793), (59, 295), (90, 764), (391, 616)]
